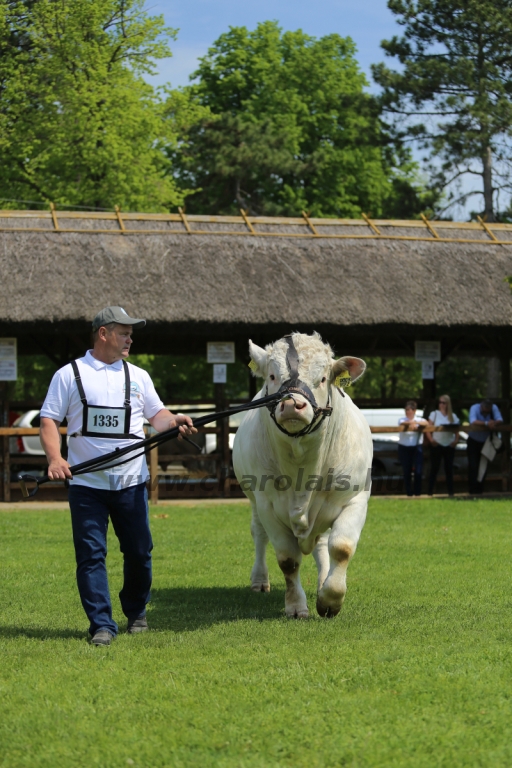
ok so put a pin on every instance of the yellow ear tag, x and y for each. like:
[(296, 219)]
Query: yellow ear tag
[(253, 366), (343, 380)]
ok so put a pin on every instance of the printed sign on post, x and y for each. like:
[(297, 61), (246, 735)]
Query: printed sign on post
[(427, 369), (8, 360), (427, 351), (220, 352), (220, 371)]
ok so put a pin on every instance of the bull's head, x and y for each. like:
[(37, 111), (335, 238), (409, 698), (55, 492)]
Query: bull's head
[(316, 368)]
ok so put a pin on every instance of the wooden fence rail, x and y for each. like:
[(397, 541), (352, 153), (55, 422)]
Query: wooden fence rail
[(216, 482)]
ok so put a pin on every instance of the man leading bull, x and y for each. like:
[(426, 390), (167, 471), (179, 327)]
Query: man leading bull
[(105, 401)]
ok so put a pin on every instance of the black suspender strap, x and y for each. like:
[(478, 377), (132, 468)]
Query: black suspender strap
[(127, 400), (79, 384)]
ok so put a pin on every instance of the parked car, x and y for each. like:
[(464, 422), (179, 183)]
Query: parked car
[(30, 445)]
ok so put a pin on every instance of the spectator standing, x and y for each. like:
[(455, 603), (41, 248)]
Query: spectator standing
[(485, 414), (442, 444), (410, 449)]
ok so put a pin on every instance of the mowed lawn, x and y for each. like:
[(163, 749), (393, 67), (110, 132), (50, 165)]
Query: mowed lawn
[(416, 670)]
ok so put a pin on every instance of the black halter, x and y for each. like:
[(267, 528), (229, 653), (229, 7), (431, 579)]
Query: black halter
[(294, 385)]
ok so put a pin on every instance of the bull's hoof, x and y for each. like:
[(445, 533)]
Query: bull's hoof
[(327, 611), (260, 587), (297, 613)]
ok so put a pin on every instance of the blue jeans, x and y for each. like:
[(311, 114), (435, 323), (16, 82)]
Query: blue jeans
[(128, 510), (411, 456)]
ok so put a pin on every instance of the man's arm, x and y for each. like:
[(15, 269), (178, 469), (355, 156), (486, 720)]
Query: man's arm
[(58, 468), (164, 420), (473, 411)]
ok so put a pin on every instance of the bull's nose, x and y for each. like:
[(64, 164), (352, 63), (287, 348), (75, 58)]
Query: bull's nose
[(292, 403)]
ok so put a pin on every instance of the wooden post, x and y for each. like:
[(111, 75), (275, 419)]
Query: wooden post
[(222, 440), (153, 475), (505, 394), (6, 469)]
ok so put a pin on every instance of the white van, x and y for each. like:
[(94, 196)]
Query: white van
[(385, 417)]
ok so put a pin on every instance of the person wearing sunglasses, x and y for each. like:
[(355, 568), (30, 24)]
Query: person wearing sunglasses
[(442, 444)]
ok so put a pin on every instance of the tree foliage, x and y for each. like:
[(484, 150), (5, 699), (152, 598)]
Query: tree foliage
[(78, 123), (453, 90), (287, 125)]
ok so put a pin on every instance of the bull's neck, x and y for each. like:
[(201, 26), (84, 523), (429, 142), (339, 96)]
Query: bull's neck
[(306, 451)]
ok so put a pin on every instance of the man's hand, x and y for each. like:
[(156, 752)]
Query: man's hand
[(58, 469), (165, 420), (185, 424)]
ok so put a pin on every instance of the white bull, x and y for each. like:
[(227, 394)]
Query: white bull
[(308, 493)]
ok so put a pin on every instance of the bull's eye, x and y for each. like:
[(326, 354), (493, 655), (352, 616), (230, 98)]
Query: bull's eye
[(272, 377), (323, 380)]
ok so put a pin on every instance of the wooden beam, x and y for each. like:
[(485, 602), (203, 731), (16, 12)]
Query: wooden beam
[(486, 229), (429, 227), (248, 223), (310, 223), (371, 224), (184, 220), (119, 219), (54, 217)]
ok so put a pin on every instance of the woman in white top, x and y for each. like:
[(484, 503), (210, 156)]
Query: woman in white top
[(442, 444), (410, 449)]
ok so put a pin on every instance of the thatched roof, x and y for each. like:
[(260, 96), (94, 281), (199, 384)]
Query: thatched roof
[(284, 276)]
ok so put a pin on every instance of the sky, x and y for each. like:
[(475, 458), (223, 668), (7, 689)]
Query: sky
[(200, 22)]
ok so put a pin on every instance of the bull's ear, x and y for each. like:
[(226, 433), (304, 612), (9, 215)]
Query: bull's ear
[(354, 366), (259, 360)]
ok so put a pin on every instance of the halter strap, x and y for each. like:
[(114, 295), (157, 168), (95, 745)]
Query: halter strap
[(294, 385)]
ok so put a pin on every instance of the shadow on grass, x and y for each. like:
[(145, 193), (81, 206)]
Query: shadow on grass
[(191, 608), (36, 633), (183, 609)]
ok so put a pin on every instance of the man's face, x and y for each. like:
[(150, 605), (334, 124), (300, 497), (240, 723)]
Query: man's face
[(410, 413), (486, 411), (118, 341)]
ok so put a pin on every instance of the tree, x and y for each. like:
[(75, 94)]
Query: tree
[(287, 125), (78, 123), (456, 72)]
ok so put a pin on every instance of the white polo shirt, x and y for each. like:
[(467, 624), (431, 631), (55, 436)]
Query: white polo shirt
[(103, 385), (411, 438)]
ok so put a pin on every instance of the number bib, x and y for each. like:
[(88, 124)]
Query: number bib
[(103, 420)]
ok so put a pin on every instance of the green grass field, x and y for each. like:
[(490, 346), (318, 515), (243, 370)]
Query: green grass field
[(416, 670)]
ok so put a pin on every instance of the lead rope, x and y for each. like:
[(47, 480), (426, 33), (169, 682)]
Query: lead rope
[(115, 458)]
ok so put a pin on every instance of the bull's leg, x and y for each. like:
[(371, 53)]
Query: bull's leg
[(289, 558), (343, 540), (321, 555), (259, 574)]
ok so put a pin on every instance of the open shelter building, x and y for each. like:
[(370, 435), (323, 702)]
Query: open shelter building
[(370, 288)]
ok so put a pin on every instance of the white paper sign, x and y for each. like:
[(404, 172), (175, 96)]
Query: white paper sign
[(425, 351), (220, 373), (427, 369), (8, 360), (220, 352)]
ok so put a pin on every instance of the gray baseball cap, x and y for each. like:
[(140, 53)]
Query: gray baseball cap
[(116, 315)]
